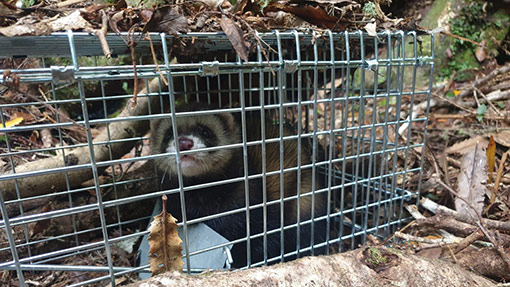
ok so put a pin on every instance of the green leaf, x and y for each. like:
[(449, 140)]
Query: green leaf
[(481, 111)]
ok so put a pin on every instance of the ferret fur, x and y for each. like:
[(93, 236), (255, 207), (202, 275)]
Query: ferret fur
[(221, 129)]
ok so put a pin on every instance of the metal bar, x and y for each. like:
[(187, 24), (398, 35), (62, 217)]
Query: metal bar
[(364, 199), (92, 160)]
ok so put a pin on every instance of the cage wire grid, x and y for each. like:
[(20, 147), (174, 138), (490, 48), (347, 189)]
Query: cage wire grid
[(344, 94)]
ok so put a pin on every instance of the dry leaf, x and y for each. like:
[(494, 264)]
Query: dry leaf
[(503, 138), (467, 145), (491, 156), (471, 182), (480, 51), (235, 36), (72, 22), (14, 122), (168, 20), (314, 15), (32, 26), (371, 29), (165, 244), (27, 118)]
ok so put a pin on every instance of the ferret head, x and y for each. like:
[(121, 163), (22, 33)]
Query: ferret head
[(195, 132)]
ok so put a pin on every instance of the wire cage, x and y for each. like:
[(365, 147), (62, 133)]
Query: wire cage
[(79, 181)]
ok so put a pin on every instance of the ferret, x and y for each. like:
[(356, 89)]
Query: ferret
[(214, 130)]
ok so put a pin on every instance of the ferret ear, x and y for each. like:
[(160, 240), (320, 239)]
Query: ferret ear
[(228, 120), (160, 124)]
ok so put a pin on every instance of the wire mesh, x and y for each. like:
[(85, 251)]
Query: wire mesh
[(79, 182)]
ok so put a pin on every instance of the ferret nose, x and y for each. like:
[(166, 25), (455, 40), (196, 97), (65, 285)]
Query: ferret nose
[(185, 143)]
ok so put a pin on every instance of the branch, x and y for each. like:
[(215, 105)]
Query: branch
[(345, 269), (43, 184), (436, 208)]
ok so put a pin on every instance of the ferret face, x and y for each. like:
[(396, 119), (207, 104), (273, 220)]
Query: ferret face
[(195, 132)]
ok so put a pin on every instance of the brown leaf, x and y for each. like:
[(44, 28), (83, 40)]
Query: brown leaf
[(480, 51), (491, 156), (448, 53), (27, 118), (165, 244), (168, 20), (314, 15), (471, 182), (235, 36), (503, 138), (467, 145), (34, 27)]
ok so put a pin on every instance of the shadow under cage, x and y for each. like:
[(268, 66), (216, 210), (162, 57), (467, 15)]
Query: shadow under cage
[(308, 148)]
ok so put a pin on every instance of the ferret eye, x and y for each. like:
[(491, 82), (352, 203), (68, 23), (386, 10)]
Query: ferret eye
[(206, 133)]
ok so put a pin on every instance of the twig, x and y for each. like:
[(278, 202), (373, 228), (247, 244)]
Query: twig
[(464, 243), (496, 110), (131, 45), (101, 35), (68, 3), (453, 103), (439, 209), (499, 247), (498, 180), (413, 210), (482, 81), (155, 60), (259, 41), (461, 38)]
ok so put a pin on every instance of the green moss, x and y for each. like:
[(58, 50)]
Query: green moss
[(430, 20), (369, 9), (497, 31), (375, 256), (469, 23)]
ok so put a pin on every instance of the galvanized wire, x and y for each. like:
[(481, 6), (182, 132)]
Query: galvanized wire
[(353, 130)]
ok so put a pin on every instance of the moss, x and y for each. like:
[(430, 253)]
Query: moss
[(430, 20), (376, 257), (497, 31)]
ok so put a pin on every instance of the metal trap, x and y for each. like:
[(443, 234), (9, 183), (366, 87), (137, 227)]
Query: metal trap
[(79, 183)]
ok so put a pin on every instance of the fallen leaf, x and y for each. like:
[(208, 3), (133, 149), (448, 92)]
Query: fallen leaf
[(235, 36), (371, 29), (165, 244), (471, 182), (448, 53), (27, 118), (314, 15), (491, 156), (480, 51), (73, 21), (467, 145), (167, 20), (34, 27), (14, 122), (503, 138)]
